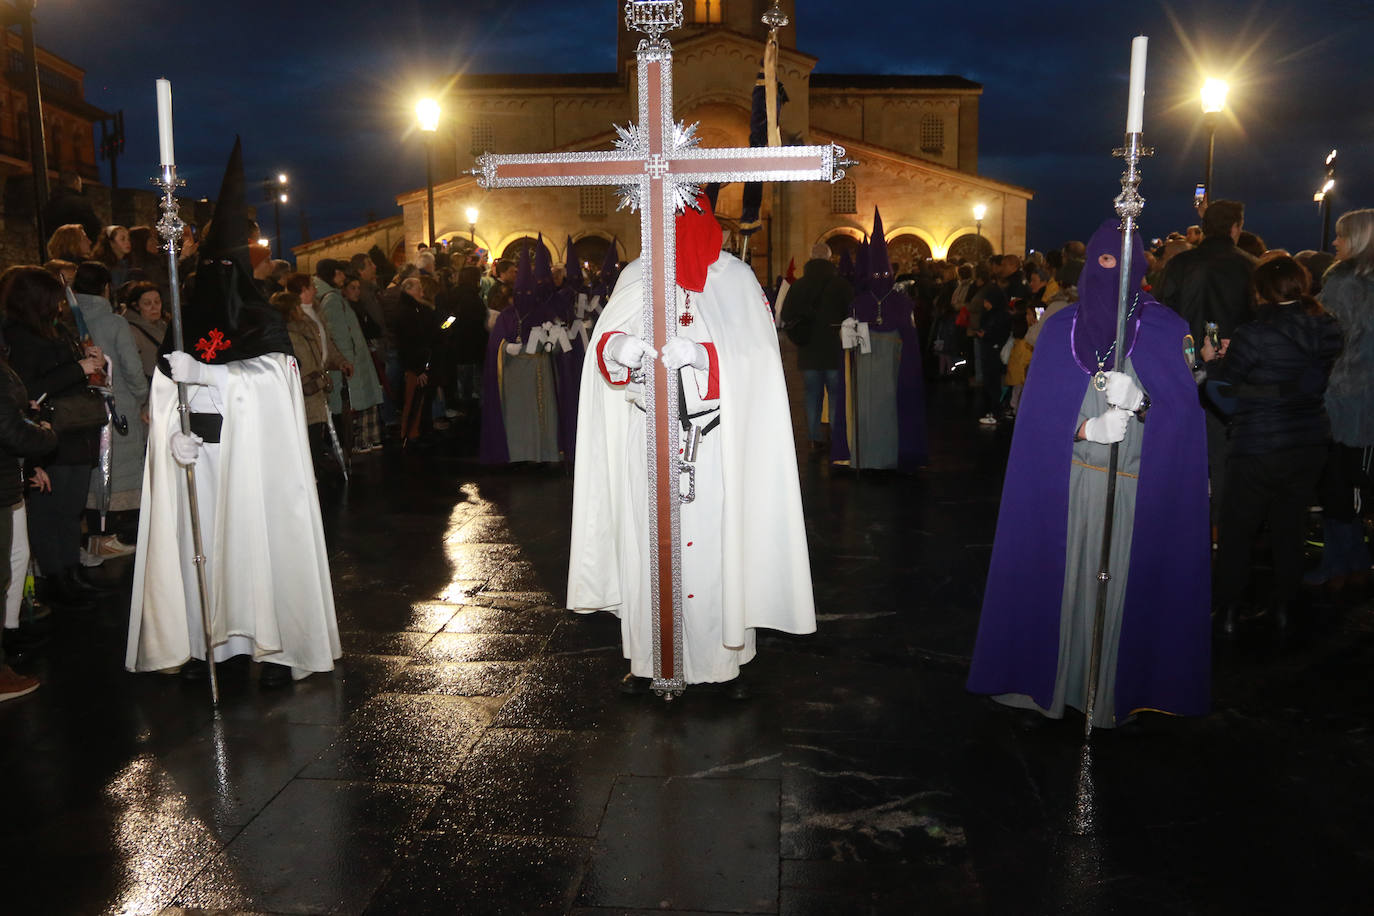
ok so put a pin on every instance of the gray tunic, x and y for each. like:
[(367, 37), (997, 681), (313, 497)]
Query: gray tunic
[(876, 403), (1083, 556), (529, 406)]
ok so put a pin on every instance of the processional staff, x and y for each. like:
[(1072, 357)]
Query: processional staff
[(1129, 205), (171, 228), (658, 168)]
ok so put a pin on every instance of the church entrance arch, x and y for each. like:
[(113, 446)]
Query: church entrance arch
[(840, 242), (907, 251), (513, 248), (971, 248), (591, 251)]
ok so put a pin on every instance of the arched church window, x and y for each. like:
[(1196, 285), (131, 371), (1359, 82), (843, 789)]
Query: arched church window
[(844, 197), (932, 134), (709, 11), (591, 201), (483, 137)]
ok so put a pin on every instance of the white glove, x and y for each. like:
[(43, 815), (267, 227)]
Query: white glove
[(680, 352), (186, 447), (628, 350), (1123, 392), (187, 369), (849, 333), (514, 348), (1109, 428)]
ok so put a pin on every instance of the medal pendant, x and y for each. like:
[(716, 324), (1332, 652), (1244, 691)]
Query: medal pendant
[(880, 321), (685, 320), (1100, 380)]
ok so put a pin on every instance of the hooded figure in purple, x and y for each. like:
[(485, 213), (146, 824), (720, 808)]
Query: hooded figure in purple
[(879, 420), (520, 395), (1035, 635)]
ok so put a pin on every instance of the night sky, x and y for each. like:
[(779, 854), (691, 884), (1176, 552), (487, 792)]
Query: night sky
[(325, 91)]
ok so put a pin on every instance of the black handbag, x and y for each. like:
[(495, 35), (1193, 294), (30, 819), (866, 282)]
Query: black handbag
[(78, 411)]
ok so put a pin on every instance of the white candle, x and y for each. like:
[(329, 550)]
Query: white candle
[(1135, 109), (164, 121)]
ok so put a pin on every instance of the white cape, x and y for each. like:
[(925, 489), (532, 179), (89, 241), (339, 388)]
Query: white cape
[(764, 567), (267, 567)]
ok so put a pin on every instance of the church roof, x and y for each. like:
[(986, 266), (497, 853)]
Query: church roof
[(540, 81), (891, 81)]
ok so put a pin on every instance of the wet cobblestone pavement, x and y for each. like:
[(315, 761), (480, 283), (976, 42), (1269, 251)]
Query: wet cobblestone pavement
[(471, 755)]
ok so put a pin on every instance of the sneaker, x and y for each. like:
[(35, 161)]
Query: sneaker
[(89, 559), (110, 546), (14, 685), (988, 420)]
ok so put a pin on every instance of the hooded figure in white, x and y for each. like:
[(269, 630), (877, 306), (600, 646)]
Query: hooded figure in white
[(744, 554), (266, 566)]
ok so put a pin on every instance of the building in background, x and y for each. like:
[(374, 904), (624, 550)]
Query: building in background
[(916, 138)]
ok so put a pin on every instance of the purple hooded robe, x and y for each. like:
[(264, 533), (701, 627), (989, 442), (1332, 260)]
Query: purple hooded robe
[(1164, 650), (527, 311), (898, 317)]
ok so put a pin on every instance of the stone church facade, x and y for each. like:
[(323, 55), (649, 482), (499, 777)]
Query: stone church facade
[(915, 137)]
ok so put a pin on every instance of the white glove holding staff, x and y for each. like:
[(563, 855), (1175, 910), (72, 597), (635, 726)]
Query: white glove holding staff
[(1109, 428), (1123, 392), (629, 351), (186, 447)]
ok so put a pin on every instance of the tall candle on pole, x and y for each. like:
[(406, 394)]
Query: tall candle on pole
[(1129, 205), (171, 228)]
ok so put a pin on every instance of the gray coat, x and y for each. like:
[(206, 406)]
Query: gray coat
[(1350, 392), (111, 333), (364, 388)]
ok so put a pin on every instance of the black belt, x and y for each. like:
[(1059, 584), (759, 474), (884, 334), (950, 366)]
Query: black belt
[(207, 426)]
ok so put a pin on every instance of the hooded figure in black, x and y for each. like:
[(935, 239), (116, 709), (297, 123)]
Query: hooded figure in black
[(266, 568), (227, 318)]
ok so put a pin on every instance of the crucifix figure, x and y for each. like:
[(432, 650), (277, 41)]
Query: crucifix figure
[(658, 168)]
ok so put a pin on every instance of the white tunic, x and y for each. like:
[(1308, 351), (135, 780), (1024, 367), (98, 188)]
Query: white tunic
[(744, 555), (267, 570)]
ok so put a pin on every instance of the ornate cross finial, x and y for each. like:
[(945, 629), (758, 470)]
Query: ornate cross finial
[(775, 18), (653, 17)]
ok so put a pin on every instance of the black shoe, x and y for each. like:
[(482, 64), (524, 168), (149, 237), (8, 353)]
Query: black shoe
[(274, 676), (738, 689), (195, 669), (632, 686), (23, 641), (59, 591), (79, 582)]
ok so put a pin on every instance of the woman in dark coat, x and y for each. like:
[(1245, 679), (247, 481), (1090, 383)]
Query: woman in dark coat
[(52, 364), (20, 438), (1277, 365)]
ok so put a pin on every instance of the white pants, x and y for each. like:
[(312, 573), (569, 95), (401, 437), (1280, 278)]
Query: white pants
[(19, 566)]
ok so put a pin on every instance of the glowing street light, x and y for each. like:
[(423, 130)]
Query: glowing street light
[(980, 211), (427, 110), (276, 190), (1322, 197), (1213, 98), (472, 224)]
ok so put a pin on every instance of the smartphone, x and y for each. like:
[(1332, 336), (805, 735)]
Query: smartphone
[(1199, 194)]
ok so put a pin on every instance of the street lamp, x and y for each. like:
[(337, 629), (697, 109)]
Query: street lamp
[(1322, 197), (1213, 96), (980, 211), (277, 191), (472, 224), (428, 112)]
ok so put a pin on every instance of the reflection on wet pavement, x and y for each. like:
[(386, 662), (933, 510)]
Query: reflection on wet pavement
[(470, 754)]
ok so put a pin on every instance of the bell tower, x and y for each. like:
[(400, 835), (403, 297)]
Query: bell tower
[(743, 16)]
